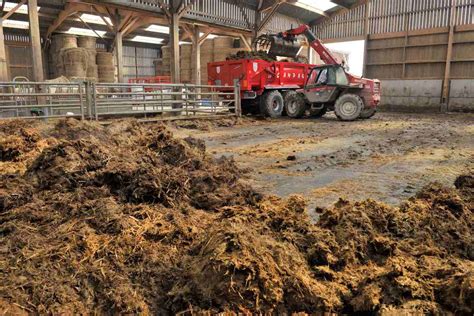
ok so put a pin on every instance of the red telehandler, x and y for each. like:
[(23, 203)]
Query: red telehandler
[(274, 87), (329, 86)]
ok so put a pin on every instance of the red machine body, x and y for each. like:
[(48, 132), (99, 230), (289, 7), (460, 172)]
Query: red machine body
[(296, 88), (256, 76)]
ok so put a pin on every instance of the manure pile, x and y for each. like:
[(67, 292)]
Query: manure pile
[(129, 219)]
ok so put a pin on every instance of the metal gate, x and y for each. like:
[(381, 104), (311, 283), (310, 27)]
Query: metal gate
[(98, 101)]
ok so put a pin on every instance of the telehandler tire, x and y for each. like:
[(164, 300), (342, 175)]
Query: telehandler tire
[(367, 113), (348, 107)]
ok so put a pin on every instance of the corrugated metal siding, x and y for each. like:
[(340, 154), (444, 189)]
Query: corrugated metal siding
[(212, 11), (280, 22), (387, 16), (139, 61), (17, 38), (349, 24)]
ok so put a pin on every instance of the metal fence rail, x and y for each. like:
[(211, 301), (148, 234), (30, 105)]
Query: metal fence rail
[(87, 100), (41, 99), (162, 99)]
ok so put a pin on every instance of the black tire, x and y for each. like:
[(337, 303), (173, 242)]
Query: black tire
[(348, 107), (272, 104), (295, 105), (285, 95), (367, 113), (318, 113)]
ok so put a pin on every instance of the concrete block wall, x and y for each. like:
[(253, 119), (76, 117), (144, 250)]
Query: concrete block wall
[(411, 95), (461, 96), (425, 95)]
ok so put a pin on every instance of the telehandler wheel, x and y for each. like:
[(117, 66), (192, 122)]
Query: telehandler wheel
[(367, 113), (318, 113), (271, 104), (348, 107), (295, 104)]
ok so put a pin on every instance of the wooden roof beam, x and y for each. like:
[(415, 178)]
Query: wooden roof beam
[(270, 15), (182, 11)]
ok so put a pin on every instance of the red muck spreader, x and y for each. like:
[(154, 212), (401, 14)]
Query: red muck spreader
[(297, 88)]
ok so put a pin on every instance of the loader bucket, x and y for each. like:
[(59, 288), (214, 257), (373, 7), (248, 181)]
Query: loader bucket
[(278, 46)]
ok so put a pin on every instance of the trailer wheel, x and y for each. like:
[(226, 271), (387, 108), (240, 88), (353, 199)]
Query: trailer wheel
[(272, 104), (285, 100), (295, 104), (367, 113), (348, 107)]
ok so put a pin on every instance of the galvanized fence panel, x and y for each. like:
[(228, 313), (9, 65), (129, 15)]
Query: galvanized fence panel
[(163, 100), (42, 99), (110, 100)]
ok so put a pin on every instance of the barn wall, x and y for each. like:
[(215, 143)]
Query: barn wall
[(409, 42), (421, 56), (18, 55), (139, 61)]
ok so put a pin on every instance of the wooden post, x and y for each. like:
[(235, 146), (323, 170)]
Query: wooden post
[(196, 56), (174, 41), (258, 20), (119, 55), (449, 55), (3, 55), (367, 38), (35, 39), (406, 27)]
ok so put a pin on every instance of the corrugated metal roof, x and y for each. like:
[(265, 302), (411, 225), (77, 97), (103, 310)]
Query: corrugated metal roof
[(295, 12)]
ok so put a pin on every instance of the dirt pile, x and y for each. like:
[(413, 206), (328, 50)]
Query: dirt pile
[(129, 219), (260, 55), (20, 142)]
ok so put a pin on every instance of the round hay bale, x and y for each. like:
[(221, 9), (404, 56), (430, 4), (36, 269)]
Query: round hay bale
[(75, 61), (207, 45), (166, 52), (92, 56), (92, 71), (186, 49), (186, 63), (221, 56), (207, 55), (105, 59), (186, 75), (86, 42), (106, 74), (64, 41), (75, 70)]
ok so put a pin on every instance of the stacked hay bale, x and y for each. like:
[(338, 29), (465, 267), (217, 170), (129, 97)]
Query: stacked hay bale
[(75, 62), (207, 56), (89, 44), (186, 51), (60, 43), (166, 60), (160, 69), (105, 66), (217, 49), (224, 47)]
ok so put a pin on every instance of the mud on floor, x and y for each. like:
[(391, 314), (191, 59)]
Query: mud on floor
[(387, 158), (129, 219)]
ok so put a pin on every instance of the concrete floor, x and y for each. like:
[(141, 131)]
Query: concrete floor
[(387, 158)]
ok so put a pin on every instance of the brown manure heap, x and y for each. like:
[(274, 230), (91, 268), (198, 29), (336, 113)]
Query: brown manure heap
[(128, 219)]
